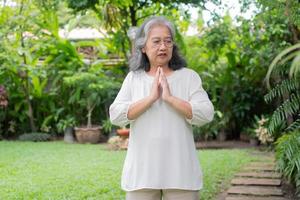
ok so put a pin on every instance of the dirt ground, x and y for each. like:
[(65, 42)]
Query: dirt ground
[(223, 144)]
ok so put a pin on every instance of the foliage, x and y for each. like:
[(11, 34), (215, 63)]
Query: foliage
[(258, 129), (89, 87), (35, 137), (261, 130), (287, 89), (291, 53), (3, 105), (288, 157), (284, 73), (118, 16), (235, 57), (226, 57), (3, 97), (210, 130), (107, 126), (33, 63), (69, 121)]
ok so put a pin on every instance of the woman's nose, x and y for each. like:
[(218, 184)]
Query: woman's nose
[(162, 46)]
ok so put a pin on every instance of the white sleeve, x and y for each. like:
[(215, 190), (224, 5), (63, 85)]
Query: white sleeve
[(202, 108), (118, 110)]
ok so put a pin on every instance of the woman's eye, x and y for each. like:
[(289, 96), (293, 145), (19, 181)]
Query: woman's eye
[(156, 41)]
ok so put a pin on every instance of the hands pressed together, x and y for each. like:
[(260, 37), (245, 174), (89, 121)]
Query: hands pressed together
[(160, 87)]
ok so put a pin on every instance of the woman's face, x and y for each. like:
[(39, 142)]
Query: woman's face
[(159, 46)]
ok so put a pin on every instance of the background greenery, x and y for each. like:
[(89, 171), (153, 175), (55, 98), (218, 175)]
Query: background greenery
[(249, 67)]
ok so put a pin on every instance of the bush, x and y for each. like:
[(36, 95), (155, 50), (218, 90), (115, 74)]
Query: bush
[(35, 137), (288, 157)]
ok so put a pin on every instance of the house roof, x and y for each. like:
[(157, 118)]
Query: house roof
[(81, 34)]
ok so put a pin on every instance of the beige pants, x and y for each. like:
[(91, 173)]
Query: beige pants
[(167, 194)]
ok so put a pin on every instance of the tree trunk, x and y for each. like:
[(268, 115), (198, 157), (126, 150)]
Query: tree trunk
[(26, 86), (133, 16), (89, 115), (292, 27), (30, 113)]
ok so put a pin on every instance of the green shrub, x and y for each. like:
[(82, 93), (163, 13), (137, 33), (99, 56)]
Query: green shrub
[(288, 157), (35, 137)]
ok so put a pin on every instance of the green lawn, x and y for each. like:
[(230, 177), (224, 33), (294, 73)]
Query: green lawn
[(55, 170)]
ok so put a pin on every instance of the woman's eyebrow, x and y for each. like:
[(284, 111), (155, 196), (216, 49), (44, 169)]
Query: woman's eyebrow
[(155, 38)]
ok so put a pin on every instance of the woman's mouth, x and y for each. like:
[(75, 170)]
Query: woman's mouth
[(162, 54)]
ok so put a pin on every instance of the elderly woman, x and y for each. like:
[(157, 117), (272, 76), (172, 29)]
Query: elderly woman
[(161, 99)]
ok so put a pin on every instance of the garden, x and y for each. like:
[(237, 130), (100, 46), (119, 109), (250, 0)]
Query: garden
[(62, 64)]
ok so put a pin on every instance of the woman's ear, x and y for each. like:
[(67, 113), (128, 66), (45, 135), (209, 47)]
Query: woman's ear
[(143, 50)]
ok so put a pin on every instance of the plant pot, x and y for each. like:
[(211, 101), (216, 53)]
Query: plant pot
[(88, 135), (124, 132), (222, 136), (253, 142), (68, 135)]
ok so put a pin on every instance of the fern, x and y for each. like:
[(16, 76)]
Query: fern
[(288, 108), (285, 55), (289, 87), (295, 125), (288, 157), (285, 87)]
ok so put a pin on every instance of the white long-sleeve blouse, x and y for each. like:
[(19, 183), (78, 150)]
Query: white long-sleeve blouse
[(161, 151)]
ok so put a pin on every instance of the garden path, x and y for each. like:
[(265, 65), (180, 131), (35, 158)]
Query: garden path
[(257, 181)]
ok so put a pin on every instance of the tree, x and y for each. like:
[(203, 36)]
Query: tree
[(118, 16), (33, 60)]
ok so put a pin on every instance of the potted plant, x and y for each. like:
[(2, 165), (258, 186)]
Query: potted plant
[(67, 127), (108, 128), (121, 140), (123, 132), (88, 86)]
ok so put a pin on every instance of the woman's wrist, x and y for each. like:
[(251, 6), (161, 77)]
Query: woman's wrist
[(150, 100), (169, 99)]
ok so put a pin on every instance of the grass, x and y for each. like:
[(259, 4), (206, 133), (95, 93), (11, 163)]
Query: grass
[(55, 170)]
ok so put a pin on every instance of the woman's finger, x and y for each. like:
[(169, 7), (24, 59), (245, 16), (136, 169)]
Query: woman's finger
[(163, 77), (160, 71), (157, 73)]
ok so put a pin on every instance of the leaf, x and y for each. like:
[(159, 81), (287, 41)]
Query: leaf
[(277, 59)]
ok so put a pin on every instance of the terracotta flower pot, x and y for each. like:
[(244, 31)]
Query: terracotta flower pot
[(88, 135), (123, 132)]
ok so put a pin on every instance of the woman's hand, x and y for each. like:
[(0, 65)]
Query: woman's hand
[(166, 94), (180, 105), (155, 89)]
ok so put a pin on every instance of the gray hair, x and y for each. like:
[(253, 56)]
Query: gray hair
[(139, 60)]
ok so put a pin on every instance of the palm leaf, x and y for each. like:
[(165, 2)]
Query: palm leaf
[(288, 108), (285, 87), (295, 125), (288, 156), (279, 57), (295, 67)]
